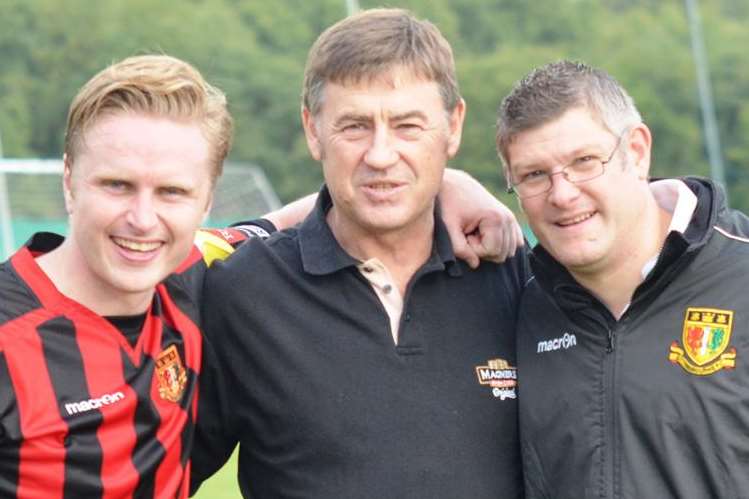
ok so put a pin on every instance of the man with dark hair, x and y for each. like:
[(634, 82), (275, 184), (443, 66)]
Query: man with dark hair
[(631, 334), (355, 356)]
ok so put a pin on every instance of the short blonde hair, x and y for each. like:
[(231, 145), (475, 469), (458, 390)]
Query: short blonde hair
[(157, 85), (371, 43)]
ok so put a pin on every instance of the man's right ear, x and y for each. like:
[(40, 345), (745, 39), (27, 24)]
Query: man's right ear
[(311, 133)]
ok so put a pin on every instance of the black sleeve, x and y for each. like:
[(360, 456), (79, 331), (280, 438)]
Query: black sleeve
[(215, 432), (525, 262), (214, 436), (227, 385), (10, 422)]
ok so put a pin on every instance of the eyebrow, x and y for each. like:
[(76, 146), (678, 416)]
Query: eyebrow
[(409, 115), (351, 117), (359, 117), (582, 150)]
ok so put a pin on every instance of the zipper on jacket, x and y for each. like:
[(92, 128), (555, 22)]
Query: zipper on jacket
[(611, 337), (610, 393)]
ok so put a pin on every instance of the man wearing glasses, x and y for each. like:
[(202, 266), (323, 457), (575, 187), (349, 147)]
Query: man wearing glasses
[(632, 337)]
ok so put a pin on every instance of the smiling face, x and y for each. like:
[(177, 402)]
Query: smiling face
[(383, 145), (139, 188), (595, 225)]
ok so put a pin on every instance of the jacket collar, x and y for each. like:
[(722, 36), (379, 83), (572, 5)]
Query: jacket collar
[(556, 280)]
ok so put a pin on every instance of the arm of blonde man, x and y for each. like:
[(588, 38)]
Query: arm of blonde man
[(480, 227)]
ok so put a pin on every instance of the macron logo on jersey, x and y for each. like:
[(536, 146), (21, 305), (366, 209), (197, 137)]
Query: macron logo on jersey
[(91, 404), (562, 343)]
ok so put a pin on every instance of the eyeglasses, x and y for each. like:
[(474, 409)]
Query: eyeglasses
[(581, 169)]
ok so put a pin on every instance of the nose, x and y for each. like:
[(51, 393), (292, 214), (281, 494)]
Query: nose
[(382, 152), (141, 214), (562, 190)]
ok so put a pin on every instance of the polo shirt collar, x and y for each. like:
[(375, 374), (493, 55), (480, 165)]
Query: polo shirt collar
[(321, 254)]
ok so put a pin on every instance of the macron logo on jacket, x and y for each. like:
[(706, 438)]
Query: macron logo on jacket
[(562, 343)]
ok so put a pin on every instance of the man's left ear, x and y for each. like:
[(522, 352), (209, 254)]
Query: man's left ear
[(457, 116), (640, 143), (67, 184)]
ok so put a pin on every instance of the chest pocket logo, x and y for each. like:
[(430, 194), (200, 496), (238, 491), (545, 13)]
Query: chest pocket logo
[(171, 374), (705, 338), (500, 376)]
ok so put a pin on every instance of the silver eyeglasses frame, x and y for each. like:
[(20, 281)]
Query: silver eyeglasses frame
[(512, 188)]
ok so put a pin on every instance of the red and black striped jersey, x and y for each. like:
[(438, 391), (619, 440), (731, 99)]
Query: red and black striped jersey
[(83, 413)]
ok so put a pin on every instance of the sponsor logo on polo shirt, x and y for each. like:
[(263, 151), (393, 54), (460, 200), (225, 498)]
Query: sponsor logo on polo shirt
[(564, 342), (500, 376), (93, 403), (171, 374), (705, 337)]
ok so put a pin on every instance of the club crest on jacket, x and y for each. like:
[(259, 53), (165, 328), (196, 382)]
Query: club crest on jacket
[(705, 337)]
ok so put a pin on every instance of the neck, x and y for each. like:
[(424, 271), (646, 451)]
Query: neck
[(615, 282), (402, 251), (67, 270)]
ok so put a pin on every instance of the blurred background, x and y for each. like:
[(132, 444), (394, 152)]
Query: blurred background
[(684, 61)]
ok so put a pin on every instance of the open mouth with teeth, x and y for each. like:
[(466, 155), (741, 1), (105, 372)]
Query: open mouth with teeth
[(139, 246), (576, 220), (382, 186)]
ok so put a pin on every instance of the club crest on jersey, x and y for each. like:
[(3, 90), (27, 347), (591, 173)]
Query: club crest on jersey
[(705, 338), (171, 374), (500, 376)]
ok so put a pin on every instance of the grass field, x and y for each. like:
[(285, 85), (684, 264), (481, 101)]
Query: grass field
[(222, 485)]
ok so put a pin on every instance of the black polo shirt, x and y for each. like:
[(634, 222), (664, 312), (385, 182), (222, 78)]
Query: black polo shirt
[(302, 370)]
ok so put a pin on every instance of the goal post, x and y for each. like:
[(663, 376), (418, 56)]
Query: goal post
[(31, 198)]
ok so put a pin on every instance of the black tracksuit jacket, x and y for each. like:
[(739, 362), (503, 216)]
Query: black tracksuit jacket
[(654, 405)]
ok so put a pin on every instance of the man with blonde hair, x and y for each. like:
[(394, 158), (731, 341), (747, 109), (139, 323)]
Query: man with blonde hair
[(99, 342), (355, 356)]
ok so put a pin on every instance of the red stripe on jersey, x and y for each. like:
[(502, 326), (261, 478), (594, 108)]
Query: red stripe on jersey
[(193, 257), (179, 321), (50, 298), (192, 338), (24, 264), (102, 363), (171, 475), (41, 470)]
